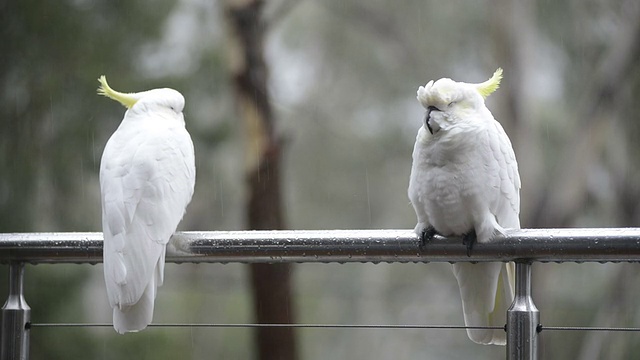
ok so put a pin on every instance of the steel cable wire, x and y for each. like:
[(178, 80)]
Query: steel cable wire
[(343, 326), (301, 326)]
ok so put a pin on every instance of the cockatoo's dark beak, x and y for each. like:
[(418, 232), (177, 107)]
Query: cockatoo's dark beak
[(428, 117)]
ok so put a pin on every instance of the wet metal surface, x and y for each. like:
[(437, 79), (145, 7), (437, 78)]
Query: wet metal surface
[(557, 245)]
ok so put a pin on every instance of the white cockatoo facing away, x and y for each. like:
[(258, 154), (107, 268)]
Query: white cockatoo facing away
[(147, 176), (465, 182)]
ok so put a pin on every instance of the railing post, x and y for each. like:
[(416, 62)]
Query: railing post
[(523, 318), (16, 314)]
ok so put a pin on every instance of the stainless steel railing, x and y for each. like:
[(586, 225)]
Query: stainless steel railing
[(521, 246)]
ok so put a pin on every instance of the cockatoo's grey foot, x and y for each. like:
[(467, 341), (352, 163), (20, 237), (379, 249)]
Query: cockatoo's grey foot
[(427, 235), (469, 239)]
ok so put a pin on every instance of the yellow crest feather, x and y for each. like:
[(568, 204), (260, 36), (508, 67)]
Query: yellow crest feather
[(488, 87), (127, 100)]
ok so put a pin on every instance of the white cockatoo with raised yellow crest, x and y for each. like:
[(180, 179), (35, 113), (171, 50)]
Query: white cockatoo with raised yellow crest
[(147, 176), (465, 182)]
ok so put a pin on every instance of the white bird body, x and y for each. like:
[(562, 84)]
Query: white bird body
[(465, 178), (147, 177)]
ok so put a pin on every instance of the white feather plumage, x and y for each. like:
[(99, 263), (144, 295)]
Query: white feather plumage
[(147, 177), (465, 177)]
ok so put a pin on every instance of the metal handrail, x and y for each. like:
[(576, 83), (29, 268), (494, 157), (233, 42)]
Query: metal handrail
[(521, 246), (553, 245)]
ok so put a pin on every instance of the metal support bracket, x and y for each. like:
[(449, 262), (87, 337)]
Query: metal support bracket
[(523, 318), (16, 315)]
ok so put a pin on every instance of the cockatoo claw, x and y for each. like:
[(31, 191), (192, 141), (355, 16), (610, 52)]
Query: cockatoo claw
[(469, 239), (427, 235)]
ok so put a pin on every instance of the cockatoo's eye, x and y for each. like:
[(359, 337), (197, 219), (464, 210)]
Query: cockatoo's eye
[(451, 103)]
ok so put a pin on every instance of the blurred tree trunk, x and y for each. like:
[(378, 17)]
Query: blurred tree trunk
[(271, 283)]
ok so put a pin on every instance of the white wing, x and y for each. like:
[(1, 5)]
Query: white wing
[(147, 177), (487, 289), (505, 202)]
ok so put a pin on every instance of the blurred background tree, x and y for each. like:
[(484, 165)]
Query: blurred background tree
[(271, 283), (343, 75)]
